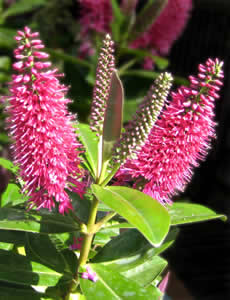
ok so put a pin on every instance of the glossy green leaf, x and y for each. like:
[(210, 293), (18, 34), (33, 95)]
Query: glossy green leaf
[(22, 6), (131, 243), (81, 206), (147, 17), (18, 269), (104, 235), (113, 116), (6, 246), (89, 140), (17, 292), (40, 222), (41, 249), (12, 237), (143, 271), (183, 213), (139, 209), (7, 164), (112, 286), (12, 195)]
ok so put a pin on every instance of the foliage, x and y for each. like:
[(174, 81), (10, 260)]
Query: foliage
[(111, 244)]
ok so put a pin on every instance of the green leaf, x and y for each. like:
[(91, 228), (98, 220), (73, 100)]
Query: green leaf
[(147, 17), (113, 116), (112, 286), (5, 63), (139, 209), (7, 164), (143, 269), (17, 292), (104, 235), (118, 19), (183, 213), (89, 140), (12, 237), (40, 222), (142, 73), (12, 195), (7, 37), (40, 248), (81, 206), (161, 62), (18, 269), (22, 6), (131, 243), (6, 246)]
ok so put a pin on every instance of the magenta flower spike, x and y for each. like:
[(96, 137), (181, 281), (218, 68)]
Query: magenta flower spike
[(167, 28), (45, 145), (95, 15), (180, 138)]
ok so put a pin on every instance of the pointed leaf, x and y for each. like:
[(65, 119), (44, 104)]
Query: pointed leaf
[(12, 195), (183, 213), (16, 292), (143, 269), (22, 6), (113, 116), (89, 140), (42, 222), (104, 235), (40, 248), (7, 164), (112, 286), (140, 210), (16, 268)]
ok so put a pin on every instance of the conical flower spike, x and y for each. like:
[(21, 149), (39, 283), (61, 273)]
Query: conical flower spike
[(105, 69), (138, 129), (45, 145), (180, 138)]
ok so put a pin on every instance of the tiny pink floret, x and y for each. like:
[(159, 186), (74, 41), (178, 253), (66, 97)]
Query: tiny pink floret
[(89, 274)]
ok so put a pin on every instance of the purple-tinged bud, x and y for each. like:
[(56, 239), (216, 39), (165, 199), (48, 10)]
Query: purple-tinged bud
[(144, 119), (40, 55), (105, 67)]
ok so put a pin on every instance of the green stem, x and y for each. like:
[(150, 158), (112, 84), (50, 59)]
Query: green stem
[(104, 220), (90, 233)]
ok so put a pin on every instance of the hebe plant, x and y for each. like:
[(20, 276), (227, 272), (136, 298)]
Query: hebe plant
[(91, 212)]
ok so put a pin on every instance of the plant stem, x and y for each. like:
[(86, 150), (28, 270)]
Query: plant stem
[(104, 220), (90, 233)]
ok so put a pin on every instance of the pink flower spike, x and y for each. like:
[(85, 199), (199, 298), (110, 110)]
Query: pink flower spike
[(45, 144), (178, 141), (167, 28)]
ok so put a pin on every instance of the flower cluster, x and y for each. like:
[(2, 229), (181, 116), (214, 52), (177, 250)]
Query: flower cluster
[(167, 28), (105, 68), (138, 129), (89, 274), (97, 16), (45, 145), (180, 138)]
